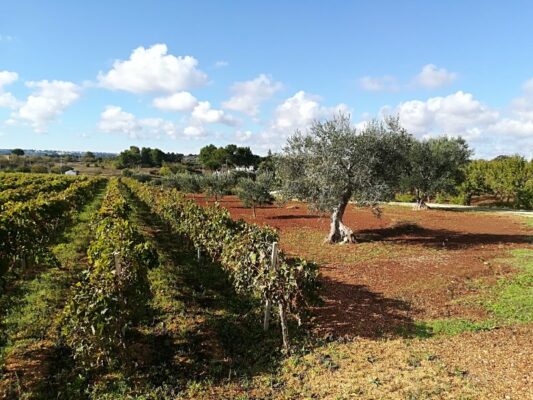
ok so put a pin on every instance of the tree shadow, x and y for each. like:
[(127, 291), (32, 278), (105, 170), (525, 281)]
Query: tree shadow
[(410, 233), (350, 311)]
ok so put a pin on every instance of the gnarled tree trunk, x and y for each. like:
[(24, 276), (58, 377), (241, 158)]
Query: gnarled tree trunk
[(338, 232), (421, 201)]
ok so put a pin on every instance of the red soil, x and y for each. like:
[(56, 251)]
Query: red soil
[(407, 265)]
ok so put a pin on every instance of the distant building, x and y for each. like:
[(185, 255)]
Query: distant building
[(250, 168), (72, 172)]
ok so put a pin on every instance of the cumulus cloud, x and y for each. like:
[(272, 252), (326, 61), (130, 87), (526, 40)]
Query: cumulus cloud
[(454, 115), (153, 70), (490, 131), (300, 110), (248, 95), (115, 120), (7, 100), (297, 112), (195, 131), (181, 101), (432, 77), (46, 103), (203, 113)]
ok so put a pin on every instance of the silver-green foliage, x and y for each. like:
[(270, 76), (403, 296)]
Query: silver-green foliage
[(255, 193), (334, 163)]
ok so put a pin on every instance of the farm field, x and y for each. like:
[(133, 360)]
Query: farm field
[(104, 297)]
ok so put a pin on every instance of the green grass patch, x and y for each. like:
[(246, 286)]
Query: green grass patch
[(511, 300), (445, 327)]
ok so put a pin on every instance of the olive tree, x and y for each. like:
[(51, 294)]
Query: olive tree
[(218, 184), (254, 193), (435, 165), (333, 163)]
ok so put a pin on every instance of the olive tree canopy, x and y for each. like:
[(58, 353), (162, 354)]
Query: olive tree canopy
[(334, 163), (435, 165)]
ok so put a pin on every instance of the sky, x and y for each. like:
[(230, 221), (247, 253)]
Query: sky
[(104, 75)]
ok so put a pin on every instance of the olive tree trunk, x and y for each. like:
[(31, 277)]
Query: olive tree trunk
[(421, 201), (338, 232)]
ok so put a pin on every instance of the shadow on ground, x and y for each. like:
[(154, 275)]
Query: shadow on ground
[(437, 238), (354, 311)]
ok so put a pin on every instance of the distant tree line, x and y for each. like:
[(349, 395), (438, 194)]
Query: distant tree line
[(145, 157), (213, 158), (507, 178)]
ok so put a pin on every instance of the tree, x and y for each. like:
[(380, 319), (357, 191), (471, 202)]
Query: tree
[(17, 152), (435, 165), (241, 156), (129, 158), (475, 180), (213, 157), (334, 163), (89, 157), (218, 184), (255, 193), (146, 157), (507, 175), (156, 157), (208, 157)]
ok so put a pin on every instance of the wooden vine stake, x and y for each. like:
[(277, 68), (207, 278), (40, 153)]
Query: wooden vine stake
[(268, 303), (268, 306)]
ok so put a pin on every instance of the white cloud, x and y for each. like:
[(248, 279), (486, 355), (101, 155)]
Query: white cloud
[(221, 64), (7, 100), (295, 113), (385, 83), (248, 95), (489, 131), (153, 70), (300, 110), (432, 77), (454, 114), (195, 131), (203, 113), (181, 101), (47, 102), (114, 120), (6, 38), (7, 77)]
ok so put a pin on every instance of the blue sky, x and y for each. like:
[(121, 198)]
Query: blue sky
[(103, 75)]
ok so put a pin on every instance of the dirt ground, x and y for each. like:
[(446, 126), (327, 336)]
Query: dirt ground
[(407, 265)]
